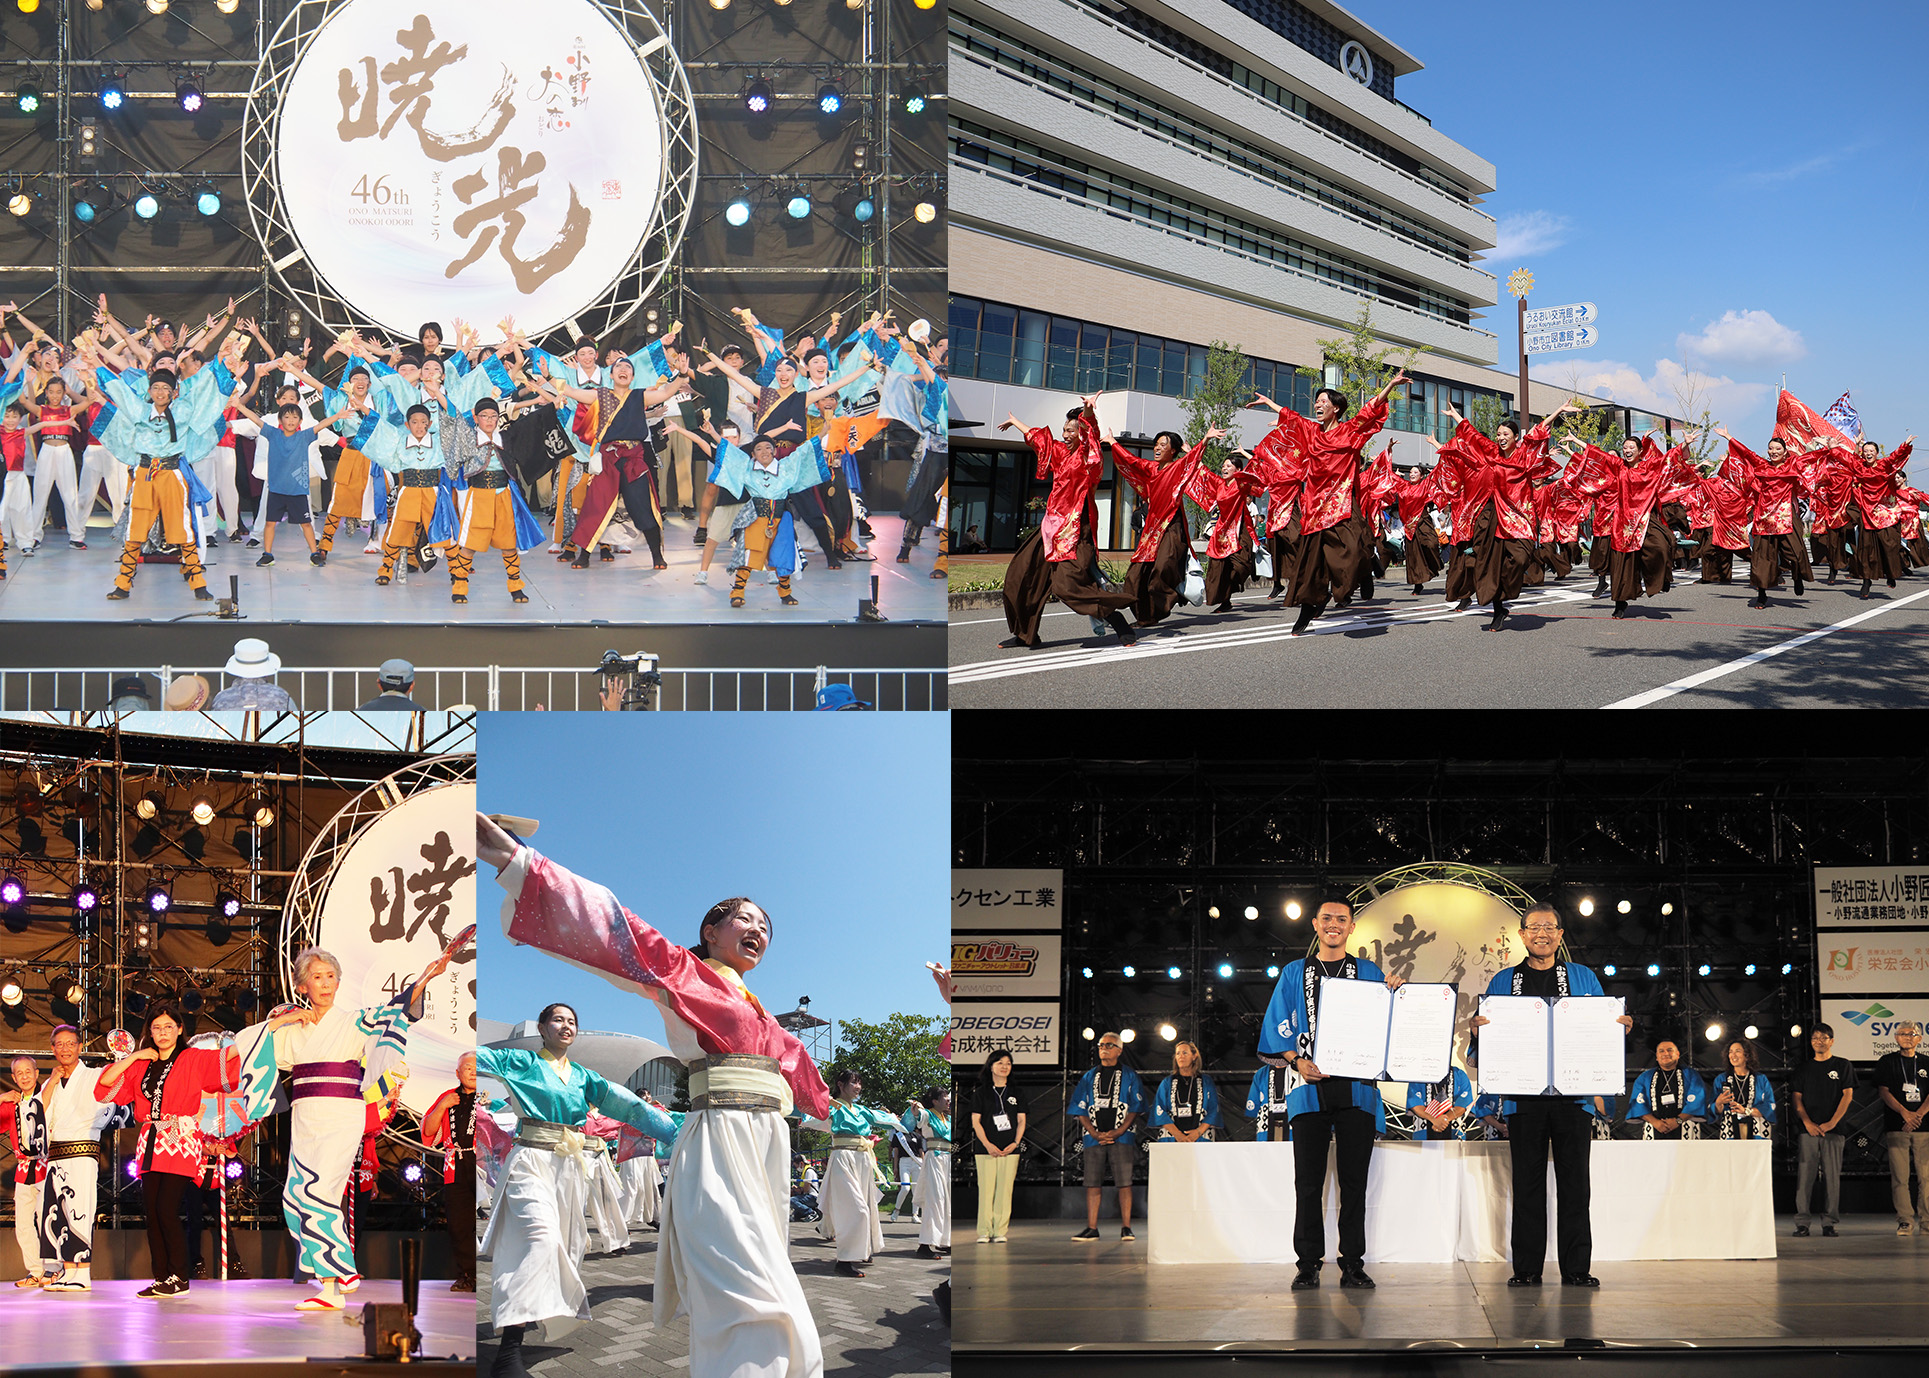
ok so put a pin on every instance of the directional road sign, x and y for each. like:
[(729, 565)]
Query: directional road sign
[(1556, 317), (1552, 341)]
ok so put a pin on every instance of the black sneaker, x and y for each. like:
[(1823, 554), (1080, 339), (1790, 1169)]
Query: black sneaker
[(1801, 1232), (268, 558), (1355, 1277), (1305, 1279), (1828, 1232), (173, 1287), (317, 557), (203, 596), (154, 1289), (1579, 1280), (117, 593), (1086, 1236), (1126, 1234)]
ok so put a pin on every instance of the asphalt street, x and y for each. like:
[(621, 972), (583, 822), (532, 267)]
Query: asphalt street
[(1695, 646)]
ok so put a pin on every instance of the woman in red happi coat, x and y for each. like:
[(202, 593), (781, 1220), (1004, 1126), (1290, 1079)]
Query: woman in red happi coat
[(164, 1081), (1165, 545), (1627, 492)]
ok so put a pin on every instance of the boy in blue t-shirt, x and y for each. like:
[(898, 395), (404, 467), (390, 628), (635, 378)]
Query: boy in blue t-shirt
[(287, 496)]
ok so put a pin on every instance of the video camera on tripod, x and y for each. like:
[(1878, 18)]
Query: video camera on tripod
[(641, 681)]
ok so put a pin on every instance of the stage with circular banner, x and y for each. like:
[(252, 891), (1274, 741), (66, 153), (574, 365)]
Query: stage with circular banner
[(474, 158), (385, 887)]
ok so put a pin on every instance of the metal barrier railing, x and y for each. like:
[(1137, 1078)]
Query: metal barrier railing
[(508, 688)]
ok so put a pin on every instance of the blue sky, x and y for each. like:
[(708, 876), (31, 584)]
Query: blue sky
[(837, 823), (1739, 187)]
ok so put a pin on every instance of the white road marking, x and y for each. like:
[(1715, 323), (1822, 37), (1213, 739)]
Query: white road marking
[(1702, 677), (1157, 642)]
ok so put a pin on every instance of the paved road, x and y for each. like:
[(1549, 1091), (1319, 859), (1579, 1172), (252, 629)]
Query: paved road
[(1696, 646), (882, 1324)]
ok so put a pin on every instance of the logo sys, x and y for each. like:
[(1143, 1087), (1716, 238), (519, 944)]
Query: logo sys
[(1842, 959), (993, 959), (1876, 1010)]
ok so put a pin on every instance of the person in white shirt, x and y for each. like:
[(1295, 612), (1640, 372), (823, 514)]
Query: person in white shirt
[(74, 1118)]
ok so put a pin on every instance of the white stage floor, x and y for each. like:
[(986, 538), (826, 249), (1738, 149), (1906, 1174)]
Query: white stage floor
[(216, 1322), (60, 584)]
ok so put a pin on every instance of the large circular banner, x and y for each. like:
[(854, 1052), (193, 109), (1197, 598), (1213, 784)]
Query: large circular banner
[(399, 893), (474, 158)]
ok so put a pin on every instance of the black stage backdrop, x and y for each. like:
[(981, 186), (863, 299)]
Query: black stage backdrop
[(1149, 840), (181, 266)]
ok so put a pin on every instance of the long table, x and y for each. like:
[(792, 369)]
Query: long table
[(1444, 1201)]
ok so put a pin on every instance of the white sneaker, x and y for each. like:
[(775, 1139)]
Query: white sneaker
[(703, 577), (984, 1239), (372, 548)]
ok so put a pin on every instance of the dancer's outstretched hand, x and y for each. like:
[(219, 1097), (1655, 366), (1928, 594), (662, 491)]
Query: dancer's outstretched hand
[(494, 844)]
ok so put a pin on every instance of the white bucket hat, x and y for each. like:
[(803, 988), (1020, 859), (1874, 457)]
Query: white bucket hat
[(253, 660)]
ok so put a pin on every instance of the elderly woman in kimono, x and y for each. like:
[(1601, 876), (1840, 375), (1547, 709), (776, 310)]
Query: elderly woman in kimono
[(724, 1251), (328, 1053)]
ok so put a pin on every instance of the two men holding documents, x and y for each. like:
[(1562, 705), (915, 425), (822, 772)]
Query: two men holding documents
[(1573, 1050)]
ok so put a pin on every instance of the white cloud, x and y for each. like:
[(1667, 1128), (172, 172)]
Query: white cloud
[(1530, 232), (1743, 337), (1729, 401)]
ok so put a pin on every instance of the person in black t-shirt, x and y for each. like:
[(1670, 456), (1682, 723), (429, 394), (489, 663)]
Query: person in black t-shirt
[(998, 1124), (1824, 1089), (1902, 1079)]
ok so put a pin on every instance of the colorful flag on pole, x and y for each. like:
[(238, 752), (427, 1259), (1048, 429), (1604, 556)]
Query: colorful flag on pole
[(1798, 426), (1439, 1105), (1841, 415)]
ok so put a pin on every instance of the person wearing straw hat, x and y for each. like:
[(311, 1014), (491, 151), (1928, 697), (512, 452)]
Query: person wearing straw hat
[(724, 1250), (253, 668), (186, 694)]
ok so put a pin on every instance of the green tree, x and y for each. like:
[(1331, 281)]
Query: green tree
[(897, 1059), (1599, 426), (1216, 401), (1485, 412), (1362, 361)]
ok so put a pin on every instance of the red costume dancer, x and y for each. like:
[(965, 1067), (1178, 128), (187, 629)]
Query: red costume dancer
[(1910, 502), (1549, 554), (1414, 495), (1229, 551), (1721, 497), (1060, 559), (1876, 479), (1627, 490), (1690, 500), (1771, 486), (1277, 464), (1501, 476), (1165, 545), (1376, 493), (1332, 534)]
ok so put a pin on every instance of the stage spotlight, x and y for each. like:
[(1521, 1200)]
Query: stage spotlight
[(134, 1164), (27, 6), (926, 4), (412, 1171), (192, 999), (146, 206), (13, 891), (1587, 907), (1666, 910), (208, 201), (1225, 971), (1089, 1035), (66, 988), (234, 1169), (27, 96), (1293, 911), (1623, 906), (1748, 970), (264, 811), (84, 208), (1610, 969), (1703, 969), (1173, 972), (853, 4), (12, 992), (1167, 1032), (1654, 968), (1751, 1032), (1273, 972), (1131, 971), (202, 810), (1794, 1030), (227, 6), (1128, 1035), (148, 805), (1251, 912), (719, 4), (158, 899), (20, 203), (157, 6), (914, 97), (135, 1002), (1212, 911), (187, 95), (925, 213), (1713, 1033), (738, 211), (830, 100), (1788, 968), (757, 96), (798, 207), (227, 905), (86, 899), (1088, 973), (246, 1001), (113, 91)]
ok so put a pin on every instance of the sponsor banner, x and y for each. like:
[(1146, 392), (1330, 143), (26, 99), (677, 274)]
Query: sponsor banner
[(1030, 1029), (454, 158), (1865, 1028), (1872, 896), (1897, 963), (400, 893), (994, 900), (1004, 964)]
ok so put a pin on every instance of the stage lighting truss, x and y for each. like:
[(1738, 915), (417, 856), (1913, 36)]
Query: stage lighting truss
[(626, 293)]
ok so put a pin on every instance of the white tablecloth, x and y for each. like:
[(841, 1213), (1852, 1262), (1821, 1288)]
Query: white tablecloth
[(1442, 1201)]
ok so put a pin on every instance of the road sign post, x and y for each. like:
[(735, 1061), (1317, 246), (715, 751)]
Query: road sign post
[(1520, 282)]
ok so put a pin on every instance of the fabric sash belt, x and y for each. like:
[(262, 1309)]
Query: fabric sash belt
[(74, 1148), (341, 1080), (555, 1138), (937, 1145), (420, 478), (161, 461), (851, 1141), (490, 480), (738, 1081)]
